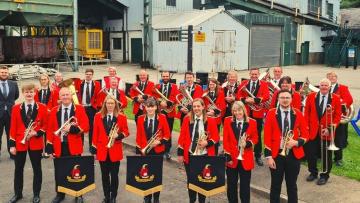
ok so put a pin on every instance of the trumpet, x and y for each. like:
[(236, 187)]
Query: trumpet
[(112, 135), (212, 103), (59, 132), (186, 100), (242, 146), (30, 127), (200, 151), (148, 147), (165, 99), (289, 134)]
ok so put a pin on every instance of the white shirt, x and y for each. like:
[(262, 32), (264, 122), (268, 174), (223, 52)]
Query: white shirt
[(251, 84), (167, 88), (84, 91), (325, 101), (63, 112), (242, 125), (332, 88), (26, 106), (201, 130), (113, 92), (282, 123), (153, 122), (111, 116)]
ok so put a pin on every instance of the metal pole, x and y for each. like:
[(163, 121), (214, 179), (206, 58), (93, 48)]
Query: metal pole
[(190, 48), (75, 35)]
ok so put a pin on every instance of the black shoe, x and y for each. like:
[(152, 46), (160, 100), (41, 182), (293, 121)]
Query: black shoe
[(57, 199), (311, 177), (15, 198), (105, 200), (79, 199), (167, 156), (339, 163), (259, 162), (321, 181), (36, 199)]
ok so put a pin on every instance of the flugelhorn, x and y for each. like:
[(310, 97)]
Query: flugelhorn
[(113, 134), (200, 151), (31, 126), (289, 134), (148, 147), (165, 99), (241, 145), (59, 132)]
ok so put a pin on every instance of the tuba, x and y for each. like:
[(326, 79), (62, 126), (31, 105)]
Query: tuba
[(112, 135), (164, 98), (242, 146), (186, 97), (289, 134), (198, 151), (148, 147), (59, 132), (30, 127)]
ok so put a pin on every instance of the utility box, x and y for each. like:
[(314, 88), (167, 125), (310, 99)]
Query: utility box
[(351, 56)]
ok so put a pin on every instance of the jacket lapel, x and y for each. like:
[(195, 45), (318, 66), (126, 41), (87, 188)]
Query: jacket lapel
[(104, 120), (317, 101), (336, 88), (23, 114), (278, 118), (58, 116), (292, 117)]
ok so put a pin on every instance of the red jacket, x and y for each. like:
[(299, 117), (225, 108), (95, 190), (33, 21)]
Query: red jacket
[(74, 139), (172, 92), (142, 137), (184, 142), (101, 137), (231, 145), (311, 113), (220, 104), (18, 127), (261, 94), (296, 100), (273, 132), (95, 89), (148, 90), (343, 92), (55, 98), (49, 98), (120, 96), (196, 92)]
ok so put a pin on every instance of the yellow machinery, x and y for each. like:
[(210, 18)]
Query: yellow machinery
[(91, 43)]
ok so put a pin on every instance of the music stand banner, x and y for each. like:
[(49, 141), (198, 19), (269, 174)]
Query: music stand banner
[(74, 175), (144, 174), (207, 175)]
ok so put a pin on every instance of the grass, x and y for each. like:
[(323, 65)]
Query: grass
[(351, 154)]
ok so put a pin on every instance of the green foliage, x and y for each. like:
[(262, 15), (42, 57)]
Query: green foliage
[(350, 3)]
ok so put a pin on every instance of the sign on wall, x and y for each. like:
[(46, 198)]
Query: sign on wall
[(200, 36)]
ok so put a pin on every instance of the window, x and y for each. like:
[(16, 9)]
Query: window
[(330, 10), (117, 43), (94, 40), (169, 35), (314, 5), (170, 2)]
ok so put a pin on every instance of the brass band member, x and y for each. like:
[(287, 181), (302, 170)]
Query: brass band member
[(69, 141), (346, 100), (285, 84), (240, 135), (322, 114), (110, 127), (88, 90), (277, 71), (105, 82), (140, 91), (255, 92), (113, 91), (28, 124), (44, 94), (152, 127), (285, 132), (170, 91), (193, 128), (58, 78), (193, 89), (230, 89)]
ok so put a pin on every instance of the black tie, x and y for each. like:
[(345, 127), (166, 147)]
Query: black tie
[(109, 123), (212, 95), (66, 115), (286, 122), (165, 90), (196, 136), (253, 87), (141, 86), (4, 90), (87, 92), (239, 128), (150, 127), (322, 104), (189, 89), (29, 113), (43, 97)]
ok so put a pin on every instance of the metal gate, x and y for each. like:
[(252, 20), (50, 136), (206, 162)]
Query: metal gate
[(265, 47), (224, 50)]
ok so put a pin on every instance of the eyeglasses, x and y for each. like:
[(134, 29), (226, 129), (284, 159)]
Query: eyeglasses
[(284, 97)]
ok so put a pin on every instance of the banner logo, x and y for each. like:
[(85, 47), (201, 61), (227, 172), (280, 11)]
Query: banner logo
[(75, 176), (144, 175)]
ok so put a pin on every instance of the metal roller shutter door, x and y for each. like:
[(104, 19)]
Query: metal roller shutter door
[(265, 47)]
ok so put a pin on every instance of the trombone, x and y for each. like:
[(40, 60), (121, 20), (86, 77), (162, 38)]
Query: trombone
[(112, 135), (31, 126), (200, 151), (148, 147), (289, 134), (165, 99), (59, 132), (241, 145)]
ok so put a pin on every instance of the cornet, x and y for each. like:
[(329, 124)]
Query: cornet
[(200, 151), (289, 134), (242, 146), (31, 126), (112, 135), (59, 132), (149, 146)]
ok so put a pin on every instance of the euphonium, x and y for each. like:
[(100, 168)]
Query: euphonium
[(148, 147), (212, 105), (242, 144), (200, 151), (59, 132), (30, 127), (289, 134), (112, 135)]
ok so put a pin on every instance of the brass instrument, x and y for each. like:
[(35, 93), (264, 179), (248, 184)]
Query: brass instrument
[(59, 132), (198, 151), (30, 127), (70, 84), (148, 147), (289, 134), (186, 100), (212, 105), (136, 88), (112, 135), (163, 98), (241, 145), (110, 95), (265, 75), (348, 115), (329, 110), (254, 107)]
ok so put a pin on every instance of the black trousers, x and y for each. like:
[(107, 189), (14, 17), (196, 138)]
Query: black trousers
[(168, 144), (90, 112), (290, 167), (156, 195), (5, 123), (192, 193), (340, 140), (110, 177), (233, 175), (258, 146), (313, 152), (20, 159)]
